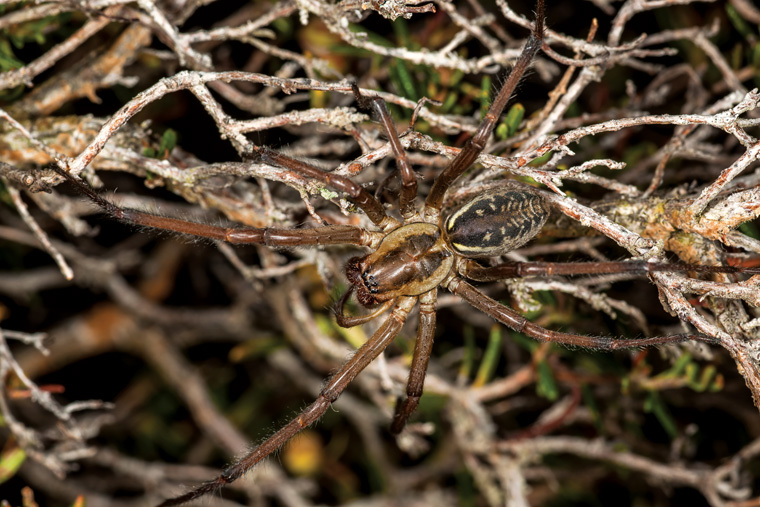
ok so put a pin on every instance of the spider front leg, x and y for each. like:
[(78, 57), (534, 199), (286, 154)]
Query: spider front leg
[(474, 147), (514, 320), (408, 179), (330, 392), (371, 206), (268, 236)]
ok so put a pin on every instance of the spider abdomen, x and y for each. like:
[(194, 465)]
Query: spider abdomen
[(496, 222)]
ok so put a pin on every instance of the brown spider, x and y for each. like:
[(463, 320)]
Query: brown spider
[(412, 258)]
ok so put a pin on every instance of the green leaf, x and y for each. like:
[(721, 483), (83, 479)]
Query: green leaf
[(466, 490), (403, 79), (654, 405), (8, 60), (371, 36), (679, 367), (261, 346), (542, 159), (468, 359), (546, 386), (512, 121), (756, 55), (10, 461), (749, 228), (490, 357), (710, 380), (738, 21), (168, 142), (502, 132), (284, 26), (401, 29), (449, 102)]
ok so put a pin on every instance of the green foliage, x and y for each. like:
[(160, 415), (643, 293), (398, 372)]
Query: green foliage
[(168, 142), (401, 77), (485, 95), (511, 123), (250, 407), (750, 229), (684, 372), (739, 23), (539, 161), (687, 372), (466, 490), (16, 37), (490, 357), (655, 405), (259, 346), (452, 97), (546, 385), (5, 197), (11, 460), (468, 359), (8, 60)]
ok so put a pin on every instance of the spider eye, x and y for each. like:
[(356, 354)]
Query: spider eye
[(496, 222)]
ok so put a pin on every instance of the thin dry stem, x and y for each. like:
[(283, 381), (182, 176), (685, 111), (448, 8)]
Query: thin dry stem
[(690, 193)]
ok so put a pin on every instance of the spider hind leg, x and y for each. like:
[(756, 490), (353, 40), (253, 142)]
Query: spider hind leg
[(332, 389)]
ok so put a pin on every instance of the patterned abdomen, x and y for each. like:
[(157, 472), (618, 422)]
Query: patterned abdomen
[(496, 222)]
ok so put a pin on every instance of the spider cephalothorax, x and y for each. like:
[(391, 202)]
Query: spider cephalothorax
[(410, 261)]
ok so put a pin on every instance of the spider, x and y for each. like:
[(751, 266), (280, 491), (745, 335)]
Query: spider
[(411, 259)]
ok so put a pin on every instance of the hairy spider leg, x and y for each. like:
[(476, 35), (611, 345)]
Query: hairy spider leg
[(408, 179), (373, 208), (330, 392), (475, 145), (515, 321), (474, 271), (267, 236)]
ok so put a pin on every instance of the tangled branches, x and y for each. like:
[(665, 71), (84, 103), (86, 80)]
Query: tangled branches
[(646, 148)]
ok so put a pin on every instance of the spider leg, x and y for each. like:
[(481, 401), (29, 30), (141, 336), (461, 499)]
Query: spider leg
[(474, 271), (366, 201), (514, 320), (423, 347), (330, 392), (408, 179), (327, 235), (477, 143)]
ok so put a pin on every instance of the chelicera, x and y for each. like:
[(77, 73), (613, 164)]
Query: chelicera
[(412, 258)]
